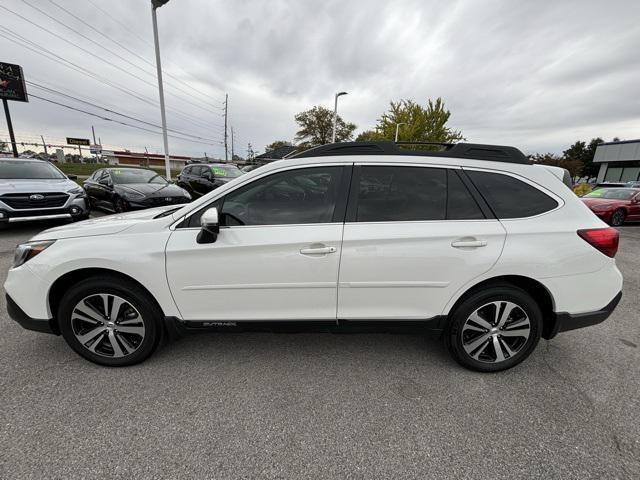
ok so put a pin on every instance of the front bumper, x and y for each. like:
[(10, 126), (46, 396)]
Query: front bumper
[(567, 321), (77, 207), (29, 323)]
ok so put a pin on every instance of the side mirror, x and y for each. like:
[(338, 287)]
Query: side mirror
[(72, 177), (210, 226)]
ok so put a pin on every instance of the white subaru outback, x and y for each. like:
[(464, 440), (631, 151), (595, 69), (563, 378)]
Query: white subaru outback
[(470, 241)]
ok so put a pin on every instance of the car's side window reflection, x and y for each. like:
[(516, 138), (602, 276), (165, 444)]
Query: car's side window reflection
[(292, 197)]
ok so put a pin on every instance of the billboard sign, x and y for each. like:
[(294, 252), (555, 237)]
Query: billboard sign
[(78, 141), (12, 85), (96, 149)]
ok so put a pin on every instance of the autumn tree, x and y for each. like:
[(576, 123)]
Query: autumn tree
[(426, 123), (316, 126)]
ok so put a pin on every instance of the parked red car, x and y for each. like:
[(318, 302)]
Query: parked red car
[(614, 205)]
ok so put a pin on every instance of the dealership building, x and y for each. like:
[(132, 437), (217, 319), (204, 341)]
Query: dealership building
[(619, 161)]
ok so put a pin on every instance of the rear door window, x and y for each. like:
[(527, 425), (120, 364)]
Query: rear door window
[(397, 193), (509, 197)]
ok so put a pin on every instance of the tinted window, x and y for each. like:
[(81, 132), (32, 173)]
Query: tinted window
[(460, 203), (296, 196), (122, 176), (509, 197), (17, 169), (401, 194)]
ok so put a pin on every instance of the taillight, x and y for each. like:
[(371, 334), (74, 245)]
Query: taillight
[(603, 239)]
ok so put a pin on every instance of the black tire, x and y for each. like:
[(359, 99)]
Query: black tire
[(456, 336), (618, 217), (120, 205), (150, 318)]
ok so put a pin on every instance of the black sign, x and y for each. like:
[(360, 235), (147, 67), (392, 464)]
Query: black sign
[(78, 141), (12, 85)]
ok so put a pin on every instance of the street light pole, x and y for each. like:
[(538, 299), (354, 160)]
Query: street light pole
[(154, 5), (335, 115), (397, 129)]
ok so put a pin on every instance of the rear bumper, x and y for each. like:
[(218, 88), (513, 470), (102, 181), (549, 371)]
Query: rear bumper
[(567, 321), (27, 322)]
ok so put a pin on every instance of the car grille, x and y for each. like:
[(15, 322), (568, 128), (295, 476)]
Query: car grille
[(160, 201), (24, 201)]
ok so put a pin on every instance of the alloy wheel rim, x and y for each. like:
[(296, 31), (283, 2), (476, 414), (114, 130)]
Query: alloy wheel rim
[(496, 332), (107, 325), (617, 218)]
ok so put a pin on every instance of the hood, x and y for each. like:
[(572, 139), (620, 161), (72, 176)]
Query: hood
[(151, 189), (592, 201), (108, 225), (34, 185)]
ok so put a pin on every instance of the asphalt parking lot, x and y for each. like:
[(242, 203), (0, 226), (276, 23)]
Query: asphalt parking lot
[(316, 405)]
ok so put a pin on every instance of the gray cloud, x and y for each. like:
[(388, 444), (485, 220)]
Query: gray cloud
[(538, 75)]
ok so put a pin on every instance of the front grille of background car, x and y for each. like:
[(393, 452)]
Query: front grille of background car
[(160, 201), (23, 201)]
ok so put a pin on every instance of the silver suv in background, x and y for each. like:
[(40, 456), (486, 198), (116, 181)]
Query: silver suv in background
[(32, 189)]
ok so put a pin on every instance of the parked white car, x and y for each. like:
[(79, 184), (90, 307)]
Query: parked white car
[(473, 242)]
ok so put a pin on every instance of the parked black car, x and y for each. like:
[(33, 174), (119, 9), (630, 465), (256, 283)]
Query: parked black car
[(199, 179), (125, 188)]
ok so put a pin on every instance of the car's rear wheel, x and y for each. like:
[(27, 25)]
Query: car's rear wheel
[(617, 217), (110, 321), (494, 329)]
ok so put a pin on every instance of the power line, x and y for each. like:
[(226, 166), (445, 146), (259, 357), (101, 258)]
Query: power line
[(137, 77), (38, 49), (124, 47), (51, 90), (108, 119), (148, 43)]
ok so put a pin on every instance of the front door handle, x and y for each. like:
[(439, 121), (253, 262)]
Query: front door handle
[(318, 250), (468, 243)]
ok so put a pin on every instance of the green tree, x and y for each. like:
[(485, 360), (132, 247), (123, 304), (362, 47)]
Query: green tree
[(277, 144), (419, 123), (316, 127), (582, 152)]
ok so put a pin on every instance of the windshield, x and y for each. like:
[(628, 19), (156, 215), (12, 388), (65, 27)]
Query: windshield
[(612, 193), (16, 169), (135, 175), (228, 171)]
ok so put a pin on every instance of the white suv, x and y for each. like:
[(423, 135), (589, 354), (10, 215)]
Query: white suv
[(471, 241)]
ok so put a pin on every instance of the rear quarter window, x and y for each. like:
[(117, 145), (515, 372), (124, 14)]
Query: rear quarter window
[(509, 197)]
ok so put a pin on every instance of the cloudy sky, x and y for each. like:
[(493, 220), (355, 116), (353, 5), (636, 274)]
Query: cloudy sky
[(538, 75)]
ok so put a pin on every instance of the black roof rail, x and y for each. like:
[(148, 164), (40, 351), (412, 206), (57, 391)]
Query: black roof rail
[(473, 151)]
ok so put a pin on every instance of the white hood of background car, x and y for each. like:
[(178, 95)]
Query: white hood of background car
[(107, 225)]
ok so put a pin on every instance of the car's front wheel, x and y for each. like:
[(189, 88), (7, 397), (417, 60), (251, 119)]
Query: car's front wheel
[(110, 321), (494, 329)]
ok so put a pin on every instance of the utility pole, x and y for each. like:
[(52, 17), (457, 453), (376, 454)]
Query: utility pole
[(12, 137), (232, 146), (44, 145), (167, 164), (226, 110), (335, 115)]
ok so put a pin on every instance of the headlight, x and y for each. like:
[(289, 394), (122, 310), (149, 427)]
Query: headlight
[(77, 191), (601, 208), (26, 251), (186, 194)]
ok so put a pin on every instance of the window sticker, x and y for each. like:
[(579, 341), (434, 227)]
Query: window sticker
[(219, 172)]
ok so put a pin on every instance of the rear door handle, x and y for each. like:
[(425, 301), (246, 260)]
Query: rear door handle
[(318, 250), (468, 243)]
